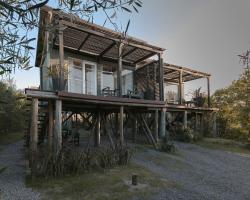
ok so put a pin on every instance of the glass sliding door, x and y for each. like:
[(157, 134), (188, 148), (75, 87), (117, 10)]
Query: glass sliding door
[(75, 77), (82, 77), (90, 78)]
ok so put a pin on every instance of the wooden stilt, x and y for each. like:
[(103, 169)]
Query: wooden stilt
[(196, 121), (185, 119), (98, 130), (121, 125), (156, 126), (58, 127), (162, 131), (34, 135), (135, 128), (214, 124), (208, 92), (108, 132), (50, 129)]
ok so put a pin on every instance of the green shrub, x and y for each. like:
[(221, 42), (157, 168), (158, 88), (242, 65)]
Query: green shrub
[(75, 161), (186, 135)]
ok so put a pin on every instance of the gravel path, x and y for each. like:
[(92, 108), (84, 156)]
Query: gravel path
[(12, 179), (200, 173)]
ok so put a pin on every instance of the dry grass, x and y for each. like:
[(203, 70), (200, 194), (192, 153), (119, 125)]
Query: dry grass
[(224, 144), (8, 138), (111, 184)]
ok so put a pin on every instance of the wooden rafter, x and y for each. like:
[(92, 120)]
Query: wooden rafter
[(83, 42), (107, 49)]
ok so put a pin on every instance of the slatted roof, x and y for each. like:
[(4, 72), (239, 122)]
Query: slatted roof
[(172, 72), (84, 37)]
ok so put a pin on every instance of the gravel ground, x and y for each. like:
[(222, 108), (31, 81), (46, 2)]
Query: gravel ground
[(199, 173), (194, 173), (12, 179)]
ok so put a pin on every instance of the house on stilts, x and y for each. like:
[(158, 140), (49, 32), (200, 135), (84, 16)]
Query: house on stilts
[(95, 79)]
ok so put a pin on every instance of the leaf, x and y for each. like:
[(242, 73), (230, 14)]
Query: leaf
[(38, 5), (113, 15), (126, 9), (135, 9), (127, 27), (72, 3), (138, 4)]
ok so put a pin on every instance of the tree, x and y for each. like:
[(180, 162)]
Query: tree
[(234, 105), (12, 108), (18, 18)]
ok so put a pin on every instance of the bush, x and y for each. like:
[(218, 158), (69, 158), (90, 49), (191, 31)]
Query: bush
[(186, 135), (75, 161)]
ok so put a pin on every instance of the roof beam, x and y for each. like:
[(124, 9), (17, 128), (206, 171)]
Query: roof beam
[(130, 43), (145, 57), (83, 42), (129, 52), (107, 49)]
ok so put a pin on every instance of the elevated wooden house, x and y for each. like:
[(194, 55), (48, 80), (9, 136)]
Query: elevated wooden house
[(97, 76)]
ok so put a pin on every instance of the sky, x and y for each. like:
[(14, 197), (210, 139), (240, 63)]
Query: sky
[(205, 35)]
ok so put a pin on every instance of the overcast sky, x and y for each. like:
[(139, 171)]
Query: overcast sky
[(205, 35)]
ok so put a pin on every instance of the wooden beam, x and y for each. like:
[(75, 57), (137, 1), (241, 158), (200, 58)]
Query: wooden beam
[(121, 125), (214, 124), (61, 55), (100, 34), (119, 70), (180, 88), (33, 135), (149, 132), (129, 52), (208, 92), (107, 49), (50, 128), (98, 130), (145, 57), (161, 80), (58, 127), (83, 42)]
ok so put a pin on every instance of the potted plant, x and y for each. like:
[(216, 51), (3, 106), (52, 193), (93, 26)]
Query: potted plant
[(54, 73), (199, 98)]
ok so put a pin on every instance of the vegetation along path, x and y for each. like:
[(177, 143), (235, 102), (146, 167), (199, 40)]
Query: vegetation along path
[(200, 173), (12, 174)]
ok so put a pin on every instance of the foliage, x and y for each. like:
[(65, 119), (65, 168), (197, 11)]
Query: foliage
[(18, 18), (185, 134), (167, 146), (234, 108), (199, 98), (76, 161), (12, 108)]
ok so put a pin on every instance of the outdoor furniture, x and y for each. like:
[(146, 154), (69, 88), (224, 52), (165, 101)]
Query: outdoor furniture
[(108, 92), (135, 94)]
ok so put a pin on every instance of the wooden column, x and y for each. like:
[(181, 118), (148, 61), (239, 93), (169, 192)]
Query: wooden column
[(58, 127), (61, 55), (156, 125), (135, 128), (98, 130), (162, 131), (51, 120), (34, 135), (121, 125), (119, 69), (208, 92), (161, 78), (196, 121), (180, 88), (185, 119), (214, 124)]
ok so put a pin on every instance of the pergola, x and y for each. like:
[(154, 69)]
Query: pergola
[(81, 37)]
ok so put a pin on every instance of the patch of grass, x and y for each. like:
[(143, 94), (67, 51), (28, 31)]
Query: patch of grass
[(224, 144), (2, 168), (111, 184), (8, 138)]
